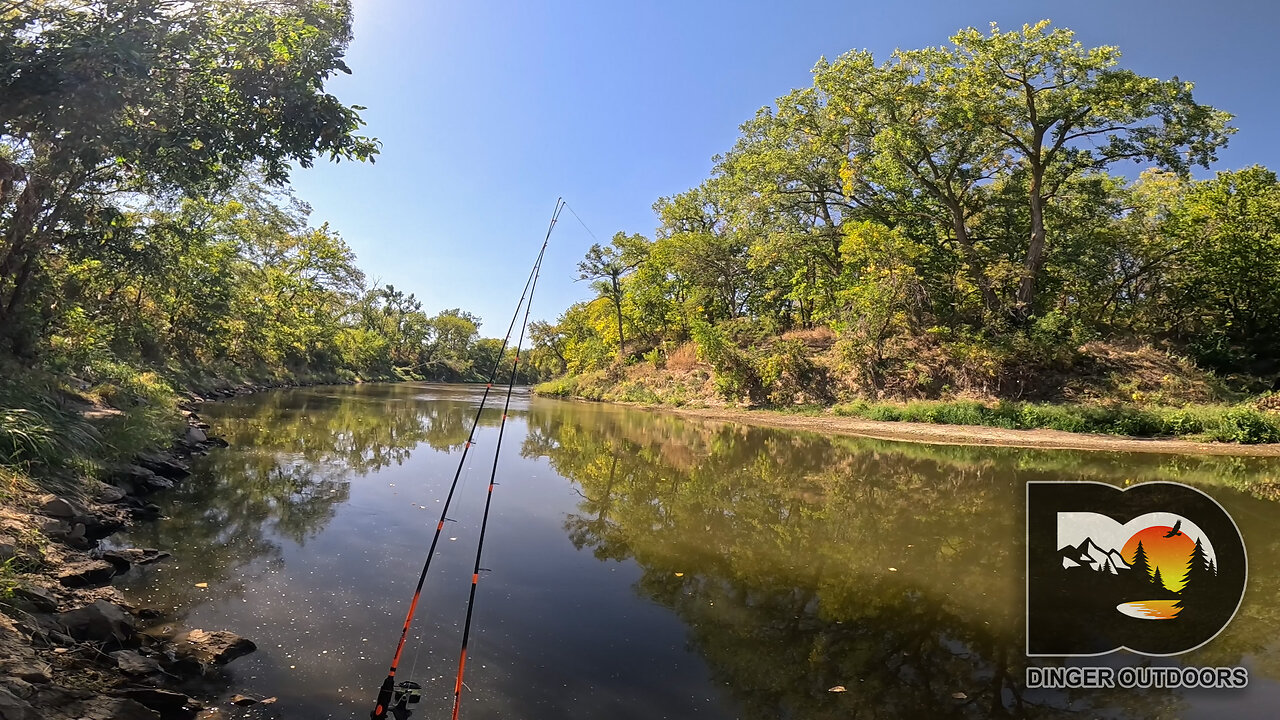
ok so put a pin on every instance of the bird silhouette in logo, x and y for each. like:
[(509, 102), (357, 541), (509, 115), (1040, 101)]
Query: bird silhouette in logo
[(1175, 531)]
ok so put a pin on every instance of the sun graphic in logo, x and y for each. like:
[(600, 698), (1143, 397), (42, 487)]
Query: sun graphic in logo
[(1168, 550)]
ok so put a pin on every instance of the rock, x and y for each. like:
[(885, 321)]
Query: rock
[(97, 527), (121, 709), (133, 479), (195, 436), (100, 622), (135, 663), (134, 556), (206, 648), (55, 529), (159, 483), (54, 506), (13, 707), (243, 700), (85, 573), (164, 466), (36, 597), (28, 671), (111, 494), (8, 548), (165, 702)]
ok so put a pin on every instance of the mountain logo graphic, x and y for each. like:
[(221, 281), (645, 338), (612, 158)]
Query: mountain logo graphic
[(1157, 568)]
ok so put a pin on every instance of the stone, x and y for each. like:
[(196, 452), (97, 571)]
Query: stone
[(164, 466), (36, 597), (30, 671), (102, 622), (54, 506), (210, 648), (134, 556), (159, 483), (111, 494), (132, 479), (195, 436), (135, 663), (165, 702), (13, 707), (243, 700), (85, 573), (8, 548), (121, 709)]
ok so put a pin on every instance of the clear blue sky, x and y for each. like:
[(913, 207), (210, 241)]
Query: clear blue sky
[(488, 111)]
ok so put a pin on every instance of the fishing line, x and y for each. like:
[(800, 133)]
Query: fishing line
[(584, 225), (388, 689), (488, 503)]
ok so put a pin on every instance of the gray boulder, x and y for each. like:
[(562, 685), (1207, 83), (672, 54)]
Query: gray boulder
[(85, 573), (101, 622), (13, 707)]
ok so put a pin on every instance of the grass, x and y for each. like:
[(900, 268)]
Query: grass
[(38, 428), (1240, 424)]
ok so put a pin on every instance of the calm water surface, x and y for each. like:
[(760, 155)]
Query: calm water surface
[(642, 565)]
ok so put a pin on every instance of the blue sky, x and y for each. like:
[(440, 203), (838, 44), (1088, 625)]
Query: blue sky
[(488, 111)]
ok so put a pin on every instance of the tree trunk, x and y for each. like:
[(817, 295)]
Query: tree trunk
[(1035, 252), (617, 307), (976, 272)]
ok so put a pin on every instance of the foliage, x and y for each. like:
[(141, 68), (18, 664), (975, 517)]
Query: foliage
[(1225, 424), (955, 200)]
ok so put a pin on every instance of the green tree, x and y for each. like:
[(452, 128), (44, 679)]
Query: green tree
[(607, 265), (1063, 110), (123, 96)]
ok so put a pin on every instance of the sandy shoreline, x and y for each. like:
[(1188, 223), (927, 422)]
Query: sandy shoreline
[(967, 434)]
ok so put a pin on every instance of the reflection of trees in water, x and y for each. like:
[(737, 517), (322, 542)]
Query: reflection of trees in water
[(291, 457), (800, 563)]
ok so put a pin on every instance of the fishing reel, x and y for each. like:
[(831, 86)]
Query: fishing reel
[(406, 693)]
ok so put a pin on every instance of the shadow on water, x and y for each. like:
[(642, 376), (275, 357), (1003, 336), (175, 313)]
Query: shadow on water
[(649, 565)]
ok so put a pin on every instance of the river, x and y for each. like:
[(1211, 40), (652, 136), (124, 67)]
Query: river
[(646, 565)]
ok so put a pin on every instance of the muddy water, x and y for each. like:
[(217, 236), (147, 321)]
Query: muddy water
[(641, 565)]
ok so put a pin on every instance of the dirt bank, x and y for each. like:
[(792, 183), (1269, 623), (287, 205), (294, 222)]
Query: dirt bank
[(967, 434)]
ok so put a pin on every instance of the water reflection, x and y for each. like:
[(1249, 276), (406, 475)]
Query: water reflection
[(893, 571), (648, 565)]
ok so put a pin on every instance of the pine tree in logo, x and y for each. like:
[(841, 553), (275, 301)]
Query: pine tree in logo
[(1198, 580), (1141, 566), (1158, 581)]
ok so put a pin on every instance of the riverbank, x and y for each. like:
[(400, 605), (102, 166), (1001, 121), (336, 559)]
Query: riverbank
[(76, 469), (1128, 394), (831, 424)]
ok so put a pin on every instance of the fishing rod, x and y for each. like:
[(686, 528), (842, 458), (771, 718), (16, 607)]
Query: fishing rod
[(388, 695), (484, 522)]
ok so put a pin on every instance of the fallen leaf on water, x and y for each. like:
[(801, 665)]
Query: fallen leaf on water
[(893, 569), (453, 538), (679, 574), (838, 688), (202, 585), (959, 696), (268, 701)]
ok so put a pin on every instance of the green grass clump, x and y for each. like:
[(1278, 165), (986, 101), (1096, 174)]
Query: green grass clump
[(36, 428), (1238, 424)]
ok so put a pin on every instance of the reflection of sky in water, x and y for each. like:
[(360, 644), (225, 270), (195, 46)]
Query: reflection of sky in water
[(803, 563)]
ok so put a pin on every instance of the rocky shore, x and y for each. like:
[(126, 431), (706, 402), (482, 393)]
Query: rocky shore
[(70, 646)]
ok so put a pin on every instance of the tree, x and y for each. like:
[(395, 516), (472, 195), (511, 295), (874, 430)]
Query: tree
[(1063, 111), (124, 96), (1140, 565), (1198, 580), (1158, 580), (607, 265)]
